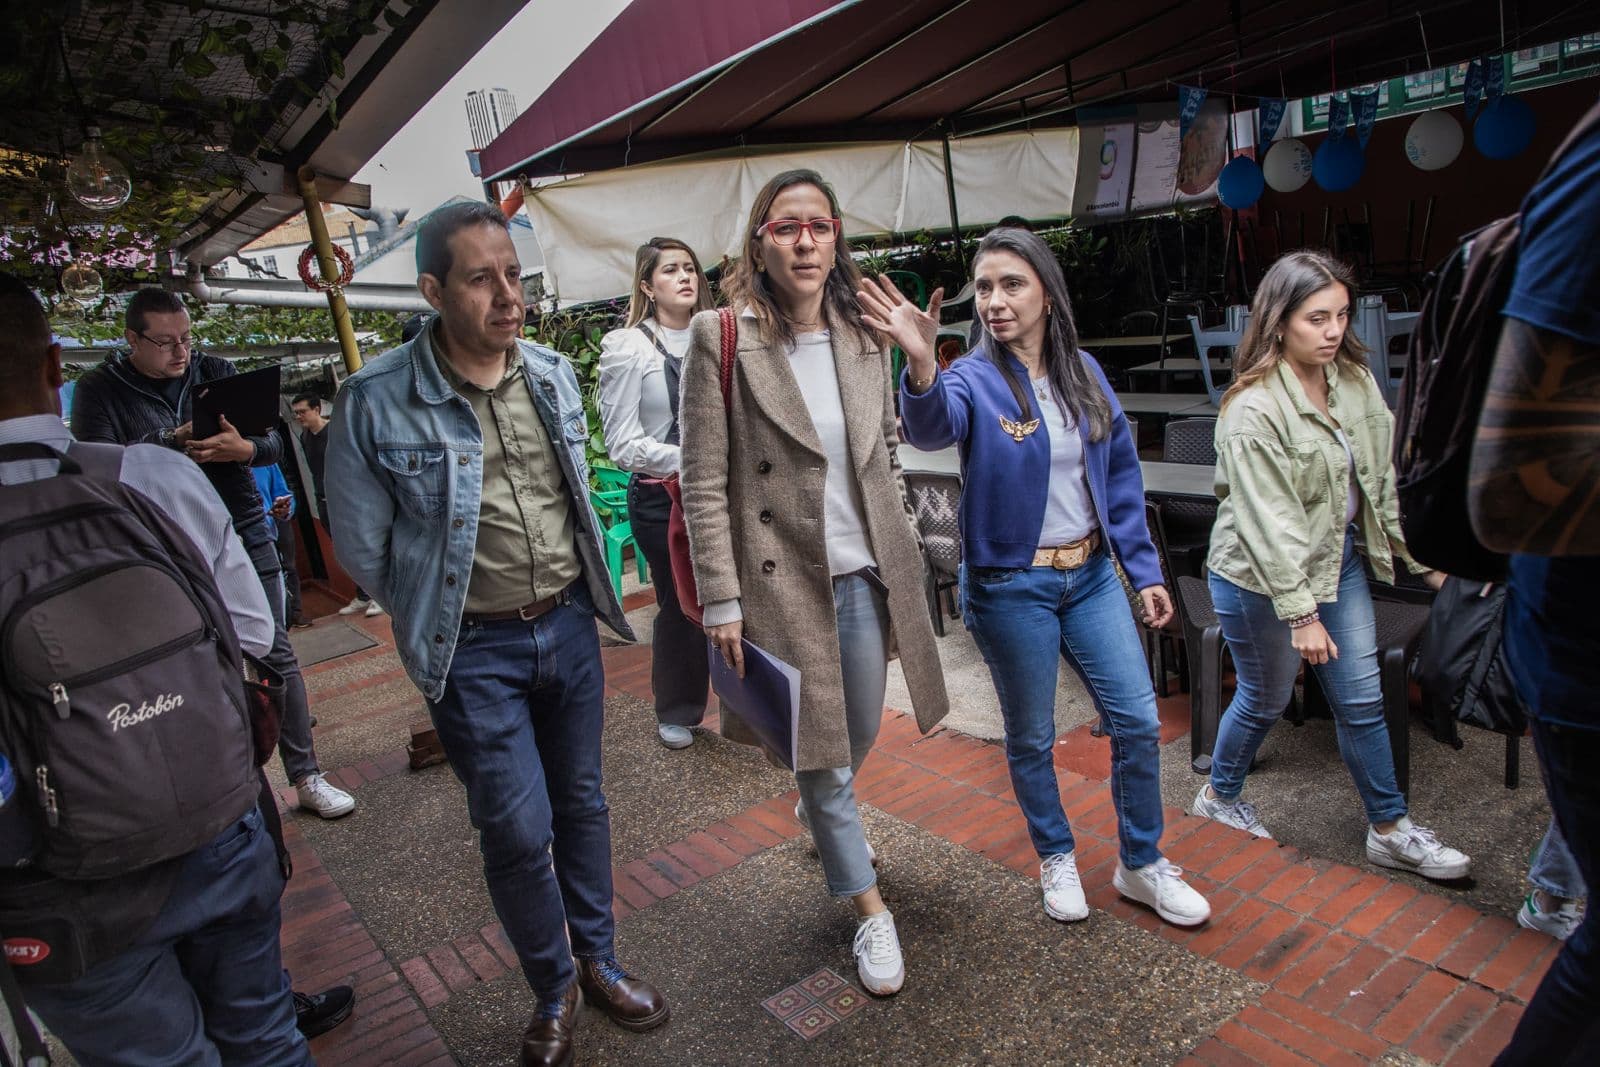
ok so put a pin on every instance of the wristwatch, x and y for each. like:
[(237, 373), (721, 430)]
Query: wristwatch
[(168, 436)]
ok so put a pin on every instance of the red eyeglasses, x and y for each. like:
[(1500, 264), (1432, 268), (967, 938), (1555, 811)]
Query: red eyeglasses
[(787, 231)]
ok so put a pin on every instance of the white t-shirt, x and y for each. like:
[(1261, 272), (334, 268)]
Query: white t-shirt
[(1069, 510), (1353, 504), (849, 548)]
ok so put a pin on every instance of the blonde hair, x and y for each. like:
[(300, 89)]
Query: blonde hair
[(1288, 283), (641, 307), (748, 287)]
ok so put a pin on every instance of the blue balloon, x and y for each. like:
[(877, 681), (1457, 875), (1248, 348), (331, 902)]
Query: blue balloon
[(1240, 183), (1337, 166), (1504, 128)]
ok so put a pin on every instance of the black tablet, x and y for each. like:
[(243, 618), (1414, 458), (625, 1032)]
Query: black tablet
[(250, 401)]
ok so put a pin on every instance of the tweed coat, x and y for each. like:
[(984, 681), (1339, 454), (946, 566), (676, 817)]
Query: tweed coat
[(753, 482)]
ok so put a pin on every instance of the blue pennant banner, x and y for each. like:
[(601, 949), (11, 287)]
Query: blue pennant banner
[(1189, 100), (1365, 105), (1472, 90), (1495, 81), (1271, 118), (1338, 115)]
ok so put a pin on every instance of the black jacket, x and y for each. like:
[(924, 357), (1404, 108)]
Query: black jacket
[(115, 403)]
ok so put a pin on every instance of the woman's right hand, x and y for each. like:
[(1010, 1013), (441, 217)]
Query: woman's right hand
[(728, 638), (885, 308), (1313, 643)]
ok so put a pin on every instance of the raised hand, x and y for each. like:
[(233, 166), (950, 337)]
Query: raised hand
[(885, 309)]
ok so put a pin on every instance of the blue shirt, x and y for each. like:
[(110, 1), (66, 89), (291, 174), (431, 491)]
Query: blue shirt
[(271, 485), (1550, 638)]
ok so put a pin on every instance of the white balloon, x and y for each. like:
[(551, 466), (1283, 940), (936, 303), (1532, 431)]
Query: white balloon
[(1287, 166), (1434, 140)]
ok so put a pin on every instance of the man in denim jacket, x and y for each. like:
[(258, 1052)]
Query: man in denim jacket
[(457, 486)]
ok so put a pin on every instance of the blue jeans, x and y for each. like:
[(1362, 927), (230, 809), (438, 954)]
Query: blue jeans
[(828, 796), (1022, 620), (1563, 1018), (1266, 664), (520, 719), (204, 986), (1554, 870)]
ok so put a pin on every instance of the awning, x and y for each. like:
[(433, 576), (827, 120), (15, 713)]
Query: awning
[(667, 79)]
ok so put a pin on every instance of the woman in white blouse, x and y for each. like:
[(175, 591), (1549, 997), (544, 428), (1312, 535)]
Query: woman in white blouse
[(639, 370)]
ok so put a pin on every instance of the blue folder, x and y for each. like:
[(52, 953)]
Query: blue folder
[(767, 698)]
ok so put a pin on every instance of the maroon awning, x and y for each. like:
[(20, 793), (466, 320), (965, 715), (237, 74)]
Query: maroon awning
[(669, 79)]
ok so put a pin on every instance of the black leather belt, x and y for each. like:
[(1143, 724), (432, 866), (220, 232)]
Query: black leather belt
[(526, 613)]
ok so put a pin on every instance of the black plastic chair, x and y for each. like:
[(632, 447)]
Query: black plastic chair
[(1189, 522), (1156, 642), (936, 506), (1202, 638)]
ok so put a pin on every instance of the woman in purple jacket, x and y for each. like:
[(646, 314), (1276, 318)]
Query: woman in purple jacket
[(1051, 495)]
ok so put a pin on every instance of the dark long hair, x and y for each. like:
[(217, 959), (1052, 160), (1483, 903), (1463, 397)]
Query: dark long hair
[(1288, 283), (1077, 391), (644, 265), (748, 287)]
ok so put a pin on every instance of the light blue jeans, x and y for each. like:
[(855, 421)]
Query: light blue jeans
[(828, 796), (1266, 664), (1024, 621), (1554, 870)]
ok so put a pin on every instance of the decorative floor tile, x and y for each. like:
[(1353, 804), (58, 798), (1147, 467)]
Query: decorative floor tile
[(787, 1003), (822, 983), (846, 1002), (811, 1022)]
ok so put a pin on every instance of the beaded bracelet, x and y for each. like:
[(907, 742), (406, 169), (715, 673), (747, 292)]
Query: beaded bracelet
[(1304, 620)]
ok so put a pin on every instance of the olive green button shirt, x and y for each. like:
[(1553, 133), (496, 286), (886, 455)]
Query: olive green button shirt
[(1283, 482), (525, 550)]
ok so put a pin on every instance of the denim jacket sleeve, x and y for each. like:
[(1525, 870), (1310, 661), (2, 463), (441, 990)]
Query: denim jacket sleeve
[(1273, 533), (360, 507)]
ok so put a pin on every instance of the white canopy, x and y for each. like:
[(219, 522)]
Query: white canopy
[(590, 226)]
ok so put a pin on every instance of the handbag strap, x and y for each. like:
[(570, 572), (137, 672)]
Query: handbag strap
[(730, 349)]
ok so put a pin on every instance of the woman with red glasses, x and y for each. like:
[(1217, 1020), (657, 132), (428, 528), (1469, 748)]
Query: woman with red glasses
[(801, 539)]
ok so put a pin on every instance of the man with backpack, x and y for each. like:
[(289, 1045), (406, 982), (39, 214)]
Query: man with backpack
[(138, 883), (146, 395), (1534, 492)]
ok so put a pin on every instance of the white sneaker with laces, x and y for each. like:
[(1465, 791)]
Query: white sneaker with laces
[(1559, 923), (1160, 885), (878, 961), (323, 797), (1409, 847), (374, 609), (355, 607), (804, 820), (1063, 891), (1239, 814)]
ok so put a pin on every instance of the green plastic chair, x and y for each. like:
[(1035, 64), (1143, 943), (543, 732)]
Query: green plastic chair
[(919, 293), (619, 536), (611, 507)]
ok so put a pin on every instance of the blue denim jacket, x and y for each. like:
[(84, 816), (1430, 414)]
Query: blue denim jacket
[(404, 481), (1006, 483)]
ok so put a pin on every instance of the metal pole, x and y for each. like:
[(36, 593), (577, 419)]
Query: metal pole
[(955, 220), (330, 268)]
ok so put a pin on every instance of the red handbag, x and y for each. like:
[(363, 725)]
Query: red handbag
[(677, 529)]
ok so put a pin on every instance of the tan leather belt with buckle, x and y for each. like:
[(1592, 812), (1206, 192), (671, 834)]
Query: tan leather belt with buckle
[(526, 613), (1068, 557)]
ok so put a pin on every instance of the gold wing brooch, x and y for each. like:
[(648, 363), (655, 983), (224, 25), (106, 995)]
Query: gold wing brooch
[(1018, 430)]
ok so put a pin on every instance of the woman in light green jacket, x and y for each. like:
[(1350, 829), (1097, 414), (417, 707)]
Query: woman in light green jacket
[(1307, 489)]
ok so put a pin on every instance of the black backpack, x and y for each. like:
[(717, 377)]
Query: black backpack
[(1447, 374), (122, 711)]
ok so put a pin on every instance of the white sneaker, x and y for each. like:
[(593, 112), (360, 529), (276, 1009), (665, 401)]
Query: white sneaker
[(1559, 924), (1160, 885), (804, 820), (674, 736), (1409, 847), (1063, 891), (355, 607), (878, 961), (374, 609), (1239, 814), (323, 797)]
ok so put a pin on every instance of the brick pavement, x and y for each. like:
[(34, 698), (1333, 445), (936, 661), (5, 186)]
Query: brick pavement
[(1357, 965)]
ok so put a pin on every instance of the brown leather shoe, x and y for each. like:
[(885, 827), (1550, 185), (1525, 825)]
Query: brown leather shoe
[(631, 1003), (547, 1042)]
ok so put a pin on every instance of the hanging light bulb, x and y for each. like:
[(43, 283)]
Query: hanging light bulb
[(96, 178), (82, 282)]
